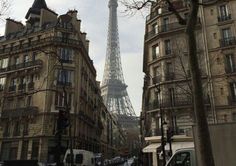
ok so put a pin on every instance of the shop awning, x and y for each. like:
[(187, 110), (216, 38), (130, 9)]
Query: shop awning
[(151, 148)]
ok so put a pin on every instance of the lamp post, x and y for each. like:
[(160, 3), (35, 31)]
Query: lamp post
[(163, 124)]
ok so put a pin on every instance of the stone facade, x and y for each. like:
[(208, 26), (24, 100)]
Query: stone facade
[(39, 62), (166, 66)]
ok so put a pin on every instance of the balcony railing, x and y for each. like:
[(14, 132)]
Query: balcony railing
[(48, 40), (208, 1), (21, 66), (63, 83), (224, 18), (227, 41), (166, 28), (19, 112), (176, 102)]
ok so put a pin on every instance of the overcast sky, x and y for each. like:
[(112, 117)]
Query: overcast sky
[(94, 16)]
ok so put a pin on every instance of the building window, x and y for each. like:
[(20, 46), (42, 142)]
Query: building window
[(64, 77), (60, 99), (2, 83), (16, 131), (230, 65), (26, 58), (224, 13), (165, 24), (12, 86), (155, 28), (24, 150), (226, 33), (35, 150), (34, 56), (29, 100), (233, 90), (167, 47), (26, 128), (234, 117), (155, 52), (4, 63), (66, 55), (16, 60), (6, 132)]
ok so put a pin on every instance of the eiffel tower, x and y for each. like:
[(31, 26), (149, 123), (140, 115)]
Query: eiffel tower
[(113, 87)]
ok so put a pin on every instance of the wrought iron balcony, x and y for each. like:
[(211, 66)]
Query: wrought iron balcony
[(166, 28), (43, 41), (168, 51), (181, 101), (19, 112), (65, 61), (224, 18), (63, 83), (21, 66), (227, 41)]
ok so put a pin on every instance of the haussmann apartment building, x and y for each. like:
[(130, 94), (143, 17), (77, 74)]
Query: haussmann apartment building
[(39, 61), (167, 85)]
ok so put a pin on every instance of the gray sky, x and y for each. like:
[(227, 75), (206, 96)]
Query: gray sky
[(94, 16)]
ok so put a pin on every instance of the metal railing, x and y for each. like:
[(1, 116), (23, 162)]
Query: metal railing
[(166, 28), (227, 41), (175, 102), (224, 18), (19, 112), (21, 66), (55, 40)]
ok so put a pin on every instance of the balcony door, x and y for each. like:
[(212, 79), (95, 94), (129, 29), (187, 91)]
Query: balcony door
[(172, 96), (223, 11), (230, 65), (226, 33)]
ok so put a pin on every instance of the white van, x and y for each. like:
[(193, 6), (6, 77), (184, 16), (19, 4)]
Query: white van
[(81, 158)]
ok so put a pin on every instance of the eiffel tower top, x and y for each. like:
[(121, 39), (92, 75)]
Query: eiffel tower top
[(113, 3)]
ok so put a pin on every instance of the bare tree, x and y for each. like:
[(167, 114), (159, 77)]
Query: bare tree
[(4, 8), (205, 148)]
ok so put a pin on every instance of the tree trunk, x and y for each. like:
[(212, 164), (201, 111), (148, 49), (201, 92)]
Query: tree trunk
[(206, 155)]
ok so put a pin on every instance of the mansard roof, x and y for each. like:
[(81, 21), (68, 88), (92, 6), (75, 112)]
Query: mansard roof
[(36, 7)]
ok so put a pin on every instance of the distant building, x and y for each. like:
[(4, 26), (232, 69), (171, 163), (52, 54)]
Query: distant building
[(32, 81), (167, 85)]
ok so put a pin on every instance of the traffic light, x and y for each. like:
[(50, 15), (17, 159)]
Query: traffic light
[(170, 134), (62, 121)]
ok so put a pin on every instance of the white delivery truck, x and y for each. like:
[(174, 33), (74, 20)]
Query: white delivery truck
[(223, 140), (81, 158)]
